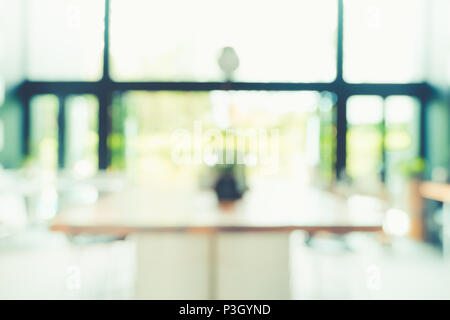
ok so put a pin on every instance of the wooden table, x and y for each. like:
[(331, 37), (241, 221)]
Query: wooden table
[(440, 192), (187, 248), (435, 191)]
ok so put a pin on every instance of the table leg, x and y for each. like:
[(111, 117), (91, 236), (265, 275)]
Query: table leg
[(172, 266), (213, 267), (253, 265), (446, 229)]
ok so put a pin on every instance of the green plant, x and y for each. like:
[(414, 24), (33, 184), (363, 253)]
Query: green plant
[(412, 168)]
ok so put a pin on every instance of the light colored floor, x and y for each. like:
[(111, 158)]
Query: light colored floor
[(403, 270), (42, 265)]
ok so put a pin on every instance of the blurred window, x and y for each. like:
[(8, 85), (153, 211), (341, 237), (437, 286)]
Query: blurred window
[(144, 137), (401, 140), (384, 40), (65, 39), (327, 141), (175, 40), (276, 41), (82, 134), (364, 137), (374, 124), (44, 131)]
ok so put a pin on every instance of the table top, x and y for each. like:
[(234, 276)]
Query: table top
[(435, 191), (262, 209)]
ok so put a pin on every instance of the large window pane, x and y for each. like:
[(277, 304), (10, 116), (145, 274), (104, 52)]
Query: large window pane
[(145, 127), (327, 143), (401, 141), (384, 40), (143, 135), (364, 139), (81, 134), (44, 131), (65, 39), (286, 40)]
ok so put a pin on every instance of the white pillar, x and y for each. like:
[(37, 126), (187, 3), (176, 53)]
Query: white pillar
[(172, 266), (253, 265)]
